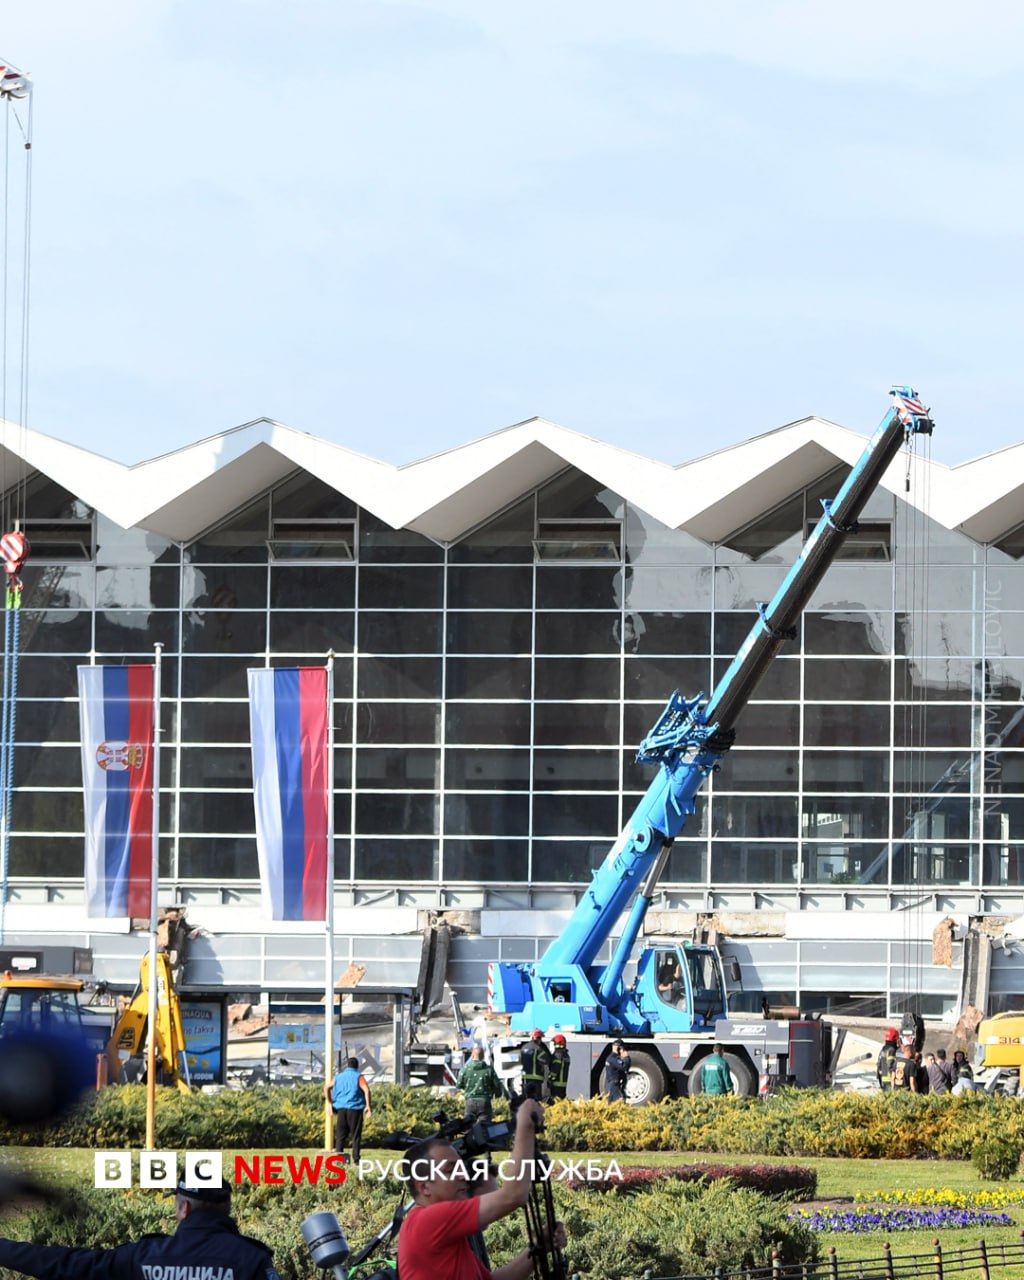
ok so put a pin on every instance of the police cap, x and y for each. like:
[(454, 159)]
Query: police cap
[(205, 1193)]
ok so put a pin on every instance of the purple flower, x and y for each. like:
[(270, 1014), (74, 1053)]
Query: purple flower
[(899, 1219)]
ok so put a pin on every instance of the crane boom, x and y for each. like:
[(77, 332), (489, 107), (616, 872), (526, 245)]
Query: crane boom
[(566, 988)]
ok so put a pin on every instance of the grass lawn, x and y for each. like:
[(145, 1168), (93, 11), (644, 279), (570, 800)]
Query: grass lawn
[(846, 1178), (73, 1167)]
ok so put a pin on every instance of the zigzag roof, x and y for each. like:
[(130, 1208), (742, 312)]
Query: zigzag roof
[(182, 493)]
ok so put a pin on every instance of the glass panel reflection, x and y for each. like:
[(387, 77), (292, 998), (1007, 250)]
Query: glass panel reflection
[(403, 861), (575, 770), (578, 587), (561, 678), (396, 813), (488, 678), (763, 816), (847, 680), (502, 860), (507, 723), (493, 587), (492, 769), (395, 677), (572, 724), (845, 862), (845, 817), (747, 862), (483, 814), (668, 587), (568, 815)]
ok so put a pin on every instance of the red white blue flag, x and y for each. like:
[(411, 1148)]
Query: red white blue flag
[(116, 706), (288, 711)]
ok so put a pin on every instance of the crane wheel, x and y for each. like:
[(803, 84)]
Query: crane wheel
[(646, 1081)]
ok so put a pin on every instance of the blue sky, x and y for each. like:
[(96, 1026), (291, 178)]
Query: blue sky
[(402, 224)]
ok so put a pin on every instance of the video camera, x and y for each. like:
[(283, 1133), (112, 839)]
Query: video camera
[(471, 1138)]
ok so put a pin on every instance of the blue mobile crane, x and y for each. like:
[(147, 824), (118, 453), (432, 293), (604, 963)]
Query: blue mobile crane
[(677, 1005)]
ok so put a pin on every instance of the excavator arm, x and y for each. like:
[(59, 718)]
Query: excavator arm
[(129, 1036)]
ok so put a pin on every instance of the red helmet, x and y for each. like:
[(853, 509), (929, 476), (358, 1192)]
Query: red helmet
[(891, 1034), (559, 1039), (535, 1034)]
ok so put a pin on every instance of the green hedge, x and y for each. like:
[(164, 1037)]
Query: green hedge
[(797, 1122), (267, 1118)]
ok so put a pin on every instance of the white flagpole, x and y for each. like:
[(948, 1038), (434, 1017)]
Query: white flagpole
[(154, 875), (329, 911)]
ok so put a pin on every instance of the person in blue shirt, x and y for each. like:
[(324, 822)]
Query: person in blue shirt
[(349, 1096)]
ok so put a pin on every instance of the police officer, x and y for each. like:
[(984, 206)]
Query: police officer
[(616, 1069), (558, 1076), (536, 1063), (206, 1243)]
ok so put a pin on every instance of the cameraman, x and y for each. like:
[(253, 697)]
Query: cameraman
[(435, 1236)]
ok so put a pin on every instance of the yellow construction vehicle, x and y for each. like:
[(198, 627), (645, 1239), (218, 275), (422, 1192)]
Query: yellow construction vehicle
[(124, 1055), (38, 1002), (32, 1002), (1000, 1052)]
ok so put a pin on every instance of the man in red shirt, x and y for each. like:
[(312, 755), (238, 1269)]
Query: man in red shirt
[(434, 1239)]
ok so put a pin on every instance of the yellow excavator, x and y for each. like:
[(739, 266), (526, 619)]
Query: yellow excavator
[(36, 1002)]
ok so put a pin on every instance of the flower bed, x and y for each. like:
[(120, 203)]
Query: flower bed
[(997, 1198), (857, 1220)]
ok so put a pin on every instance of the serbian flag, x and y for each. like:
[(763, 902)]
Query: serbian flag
[(117, 771), (288, 712)]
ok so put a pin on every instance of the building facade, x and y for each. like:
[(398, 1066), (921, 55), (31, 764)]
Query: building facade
[(507, 621)]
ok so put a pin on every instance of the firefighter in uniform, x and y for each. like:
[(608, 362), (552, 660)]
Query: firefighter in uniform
[(536, 1063), (558, 1073), (206, 1244), (887, 1059)]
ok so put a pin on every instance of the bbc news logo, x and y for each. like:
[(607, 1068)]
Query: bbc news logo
[(158, 1170)]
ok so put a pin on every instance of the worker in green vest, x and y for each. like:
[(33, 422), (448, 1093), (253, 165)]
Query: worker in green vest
[(715, 1077), (479, 1083)]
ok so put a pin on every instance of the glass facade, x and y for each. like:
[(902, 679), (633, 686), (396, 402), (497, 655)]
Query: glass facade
[(490, 695)]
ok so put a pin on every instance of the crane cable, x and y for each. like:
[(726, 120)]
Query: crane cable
[(913, 600), (14, 547)]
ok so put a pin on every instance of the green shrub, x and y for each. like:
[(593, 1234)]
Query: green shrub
[(789, 1182), (673, 1228), (996, 1159), (795, 1122)]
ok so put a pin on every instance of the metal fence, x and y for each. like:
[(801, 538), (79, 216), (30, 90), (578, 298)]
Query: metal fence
[(982, 1261)]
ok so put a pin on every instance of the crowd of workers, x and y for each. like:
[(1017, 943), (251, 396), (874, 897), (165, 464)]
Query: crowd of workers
[(902, 1067)]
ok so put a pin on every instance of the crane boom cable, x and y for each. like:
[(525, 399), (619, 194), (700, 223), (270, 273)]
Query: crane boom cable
[(14, 547)]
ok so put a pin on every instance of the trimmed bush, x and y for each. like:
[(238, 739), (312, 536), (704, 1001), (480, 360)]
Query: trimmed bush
[(788, 1182), (997, 1160), (795, 1122)]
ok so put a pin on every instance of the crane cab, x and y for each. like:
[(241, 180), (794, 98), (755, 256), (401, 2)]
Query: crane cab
[(681, 988)]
